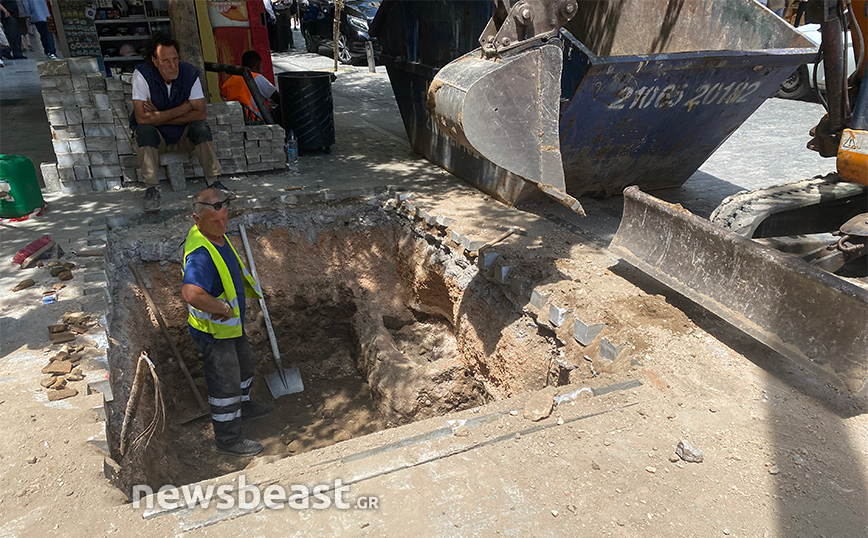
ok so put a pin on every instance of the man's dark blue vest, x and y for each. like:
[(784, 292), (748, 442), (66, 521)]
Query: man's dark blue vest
[(181, 86)]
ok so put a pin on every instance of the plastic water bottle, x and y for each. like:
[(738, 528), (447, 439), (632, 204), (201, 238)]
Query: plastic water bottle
[(292, 152)]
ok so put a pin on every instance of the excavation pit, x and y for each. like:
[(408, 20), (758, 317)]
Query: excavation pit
[(386, 323)]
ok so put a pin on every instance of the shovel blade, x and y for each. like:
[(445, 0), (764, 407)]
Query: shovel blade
[(284, 381)]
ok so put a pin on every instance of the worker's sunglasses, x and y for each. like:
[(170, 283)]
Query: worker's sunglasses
[(217, 205)]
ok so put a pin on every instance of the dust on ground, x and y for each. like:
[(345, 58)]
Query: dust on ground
[(784, 454)]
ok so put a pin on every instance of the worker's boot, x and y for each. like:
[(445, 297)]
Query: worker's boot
[(252, 411), (153, 200), (244, 447), (216, 185)]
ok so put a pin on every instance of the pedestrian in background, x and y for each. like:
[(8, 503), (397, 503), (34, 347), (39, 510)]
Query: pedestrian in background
[(801, 12), (777, 7), (4, 43), (10, 15), (271, 24), (37, 12)]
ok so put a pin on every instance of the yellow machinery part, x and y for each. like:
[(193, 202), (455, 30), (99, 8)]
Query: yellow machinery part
[(853, 151), (853, 156)]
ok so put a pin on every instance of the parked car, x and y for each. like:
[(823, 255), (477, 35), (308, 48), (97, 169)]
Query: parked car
[(317, 17), (801, 83)]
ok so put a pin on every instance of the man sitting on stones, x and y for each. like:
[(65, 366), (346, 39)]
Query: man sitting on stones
[(215, 286), (169, 115)]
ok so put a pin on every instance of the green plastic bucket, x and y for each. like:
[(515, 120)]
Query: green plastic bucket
[(20, 173)]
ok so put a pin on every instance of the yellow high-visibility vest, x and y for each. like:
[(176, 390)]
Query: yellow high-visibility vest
[(231, 328)]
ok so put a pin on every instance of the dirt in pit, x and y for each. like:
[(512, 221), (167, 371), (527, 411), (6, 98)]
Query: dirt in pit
[(336, 404), (314, 298)]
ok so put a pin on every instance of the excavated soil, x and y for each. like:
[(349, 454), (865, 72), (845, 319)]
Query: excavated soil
[(385, 326)]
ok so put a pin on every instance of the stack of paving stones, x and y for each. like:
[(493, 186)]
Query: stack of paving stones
[(82, 126), (95, 149)]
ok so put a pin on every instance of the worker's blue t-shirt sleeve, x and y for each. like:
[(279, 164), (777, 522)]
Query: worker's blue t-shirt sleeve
[(201, 271)]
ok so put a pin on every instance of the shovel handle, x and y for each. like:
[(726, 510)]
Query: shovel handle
[(204, 407), (268, 326)]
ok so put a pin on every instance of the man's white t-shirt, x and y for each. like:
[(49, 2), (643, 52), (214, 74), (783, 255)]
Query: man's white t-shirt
[(266, 88), (142, 92)]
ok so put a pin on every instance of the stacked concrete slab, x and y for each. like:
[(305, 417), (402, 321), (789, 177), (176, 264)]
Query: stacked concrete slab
[(94, 145), (244, 148), (82, 125)]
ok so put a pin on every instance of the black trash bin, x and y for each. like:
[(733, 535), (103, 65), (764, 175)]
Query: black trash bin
[(306, 107)]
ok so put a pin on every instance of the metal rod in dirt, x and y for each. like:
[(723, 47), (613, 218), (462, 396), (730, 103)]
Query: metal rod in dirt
[(262, 304), (204, 407)]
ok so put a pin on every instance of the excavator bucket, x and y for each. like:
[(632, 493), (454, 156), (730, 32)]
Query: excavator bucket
[(505, 110), (812, 317)]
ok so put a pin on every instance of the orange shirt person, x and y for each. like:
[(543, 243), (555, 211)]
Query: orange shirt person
[(235, 89)]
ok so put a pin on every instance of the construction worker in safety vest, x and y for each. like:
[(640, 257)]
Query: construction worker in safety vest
[(216, 284), (235, 88)]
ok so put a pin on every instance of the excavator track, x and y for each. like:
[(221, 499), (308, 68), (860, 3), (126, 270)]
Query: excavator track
[(745, 212)]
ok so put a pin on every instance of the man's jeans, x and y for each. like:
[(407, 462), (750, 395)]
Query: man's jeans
[(46, 37), (197, 137)]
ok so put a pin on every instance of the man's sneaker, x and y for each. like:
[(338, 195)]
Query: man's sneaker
[(153, 200), (252, 411), (217, 185), (244, 447), (53, 57)]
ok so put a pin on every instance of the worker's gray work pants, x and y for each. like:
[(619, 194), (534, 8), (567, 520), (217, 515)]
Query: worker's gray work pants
[(196, 137), (229, 365)]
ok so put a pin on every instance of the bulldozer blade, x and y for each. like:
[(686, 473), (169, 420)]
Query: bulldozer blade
[(812, 317), (507, 111)]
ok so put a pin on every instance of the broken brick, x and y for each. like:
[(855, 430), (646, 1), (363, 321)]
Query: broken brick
[(79, 318), (58, 384), (61, 394), (57, 328), (59, 338), (24, 284), (58, 367), (47, 381)]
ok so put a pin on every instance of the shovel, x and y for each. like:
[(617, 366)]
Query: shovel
[(280, 382)]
